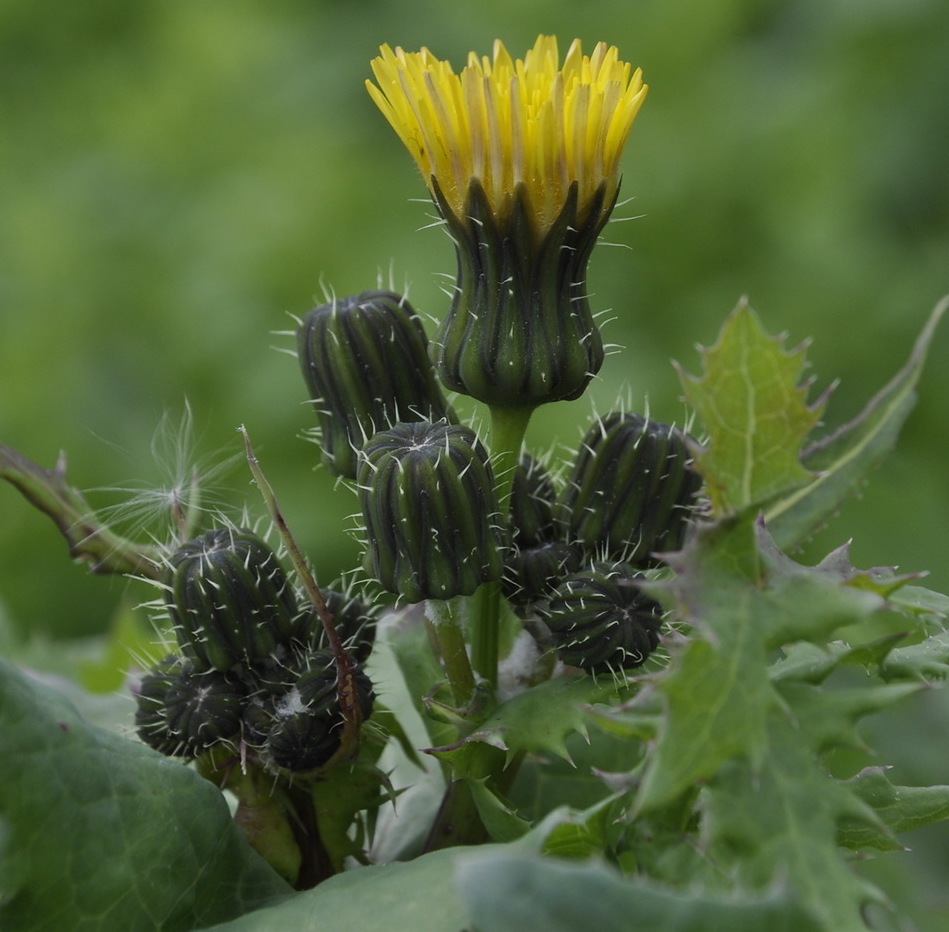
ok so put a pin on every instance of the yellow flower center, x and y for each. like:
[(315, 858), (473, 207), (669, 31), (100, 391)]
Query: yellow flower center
[(507, 123)]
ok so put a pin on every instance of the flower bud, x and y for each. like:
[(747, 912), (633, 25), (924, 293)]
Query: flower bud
[(532, 503), (151, 722), (531, 573), (520, 331), (182, 712), (601, 621), (365, 363), (355, 623), (632, 489), (203, 709), (430, 510), (296, 724), (229, 599)]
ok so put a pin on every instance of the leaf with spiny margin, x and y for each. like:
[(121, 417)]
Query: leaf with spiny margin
[(743, 600), (811, 663), (842, 459), (780, 820), (100, 832), (755, 414), (899, 808), (541, 718), (546, 782), (928, 660)]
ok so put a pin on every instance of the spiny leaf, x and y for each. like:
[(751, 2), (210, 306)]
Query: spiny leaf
[(742, 602), (755, 414), (599, 765), (842, 459), (928, 660), (810, 663), (780, 820), (540, 719), (900, 809), (103, 833)]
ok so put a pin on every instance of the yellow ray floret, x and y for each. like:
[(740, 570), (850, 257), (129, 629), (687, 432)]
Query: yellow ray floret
[(505, 122)]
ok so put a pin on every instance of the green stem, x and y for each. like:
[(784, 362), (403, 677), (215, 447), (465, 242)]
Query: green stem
[(444, 619), (508, 426), (102, 549)]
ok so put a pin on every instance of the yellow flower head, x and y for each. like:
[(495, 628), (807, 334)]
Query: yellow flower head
[(505, 123)]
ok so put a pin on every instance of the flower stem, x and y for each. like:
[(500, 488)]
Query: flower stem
[(445, 621), (508, 426)]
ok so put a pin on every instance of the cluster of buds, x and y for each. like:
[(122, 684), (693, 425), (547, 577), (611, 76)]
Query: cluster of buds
[(428, 494), (253, 670), (578, 556)]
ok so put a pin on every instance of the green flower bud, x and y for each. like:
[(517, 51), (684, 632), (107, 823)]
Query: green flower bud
[(519, 331), (354, 621), (531, 573), (229, 599), (365, 363), (632, 489), (532, 503), (151, 722), (430, 509), (203, 709), (297, 725), (601, 621)]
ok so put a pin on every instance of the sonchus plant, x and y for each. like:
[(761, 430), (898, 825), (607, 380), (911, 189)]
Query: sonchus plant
[(606, 672)]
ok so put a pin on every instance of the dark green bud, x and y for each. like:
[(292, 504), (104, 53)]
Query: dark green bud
[(229, 599), (430, 509), (531, 573), (355, 624), (297, 725), (532, 503), (601, 621), (151, 701), (365, 362), (520, 331), (203, 709), (632, 489)]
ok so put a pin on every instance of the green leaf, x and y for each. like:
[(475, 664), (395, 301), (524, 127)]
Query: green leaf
[(500, 819), (417, 895), (99, 832), (810, 663), (780, 820), (743, 599), (754, 411), (545, 782), (928, 660), (842, 459), (540, 719), (511, 892), (900, 808)]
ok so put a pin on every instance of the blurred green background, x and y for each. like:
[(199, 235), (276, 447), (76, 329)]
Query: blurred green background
[(178, 178)]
